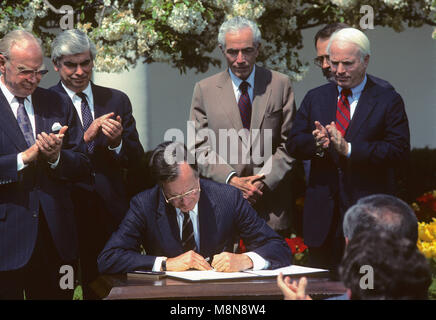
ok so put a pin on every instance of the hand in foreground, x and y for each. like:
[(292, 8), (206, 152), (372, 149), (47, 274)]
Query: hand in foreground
[(186, 261), (250, 190), (337, 139), (31, 154), (292, 291), (95, 126), (113, 130), (50, 145), (321, 136), (231, 262)]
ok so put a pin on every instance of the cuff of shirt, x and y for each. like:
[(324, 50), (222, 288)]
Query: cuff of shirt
[(20, 163), (55, 164), (117, 149), (157, 266), (259, 263), (349, 150), (231, 174)]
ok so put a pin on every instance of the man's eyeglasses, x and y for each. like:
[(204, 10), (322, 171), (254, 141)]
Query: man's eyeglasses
[(320, 60), (189, 194), (23, 72), (245, 52)]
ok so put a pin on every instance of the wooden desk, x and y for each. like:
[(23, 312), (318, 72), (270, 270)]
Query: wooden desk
[(119, 287)]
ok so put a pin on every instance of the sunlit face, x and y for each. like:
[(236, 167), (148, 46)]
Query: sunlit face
[(21, 70), (75, 70), (346, 64), (240, 52), (184, 190), (322, 57)]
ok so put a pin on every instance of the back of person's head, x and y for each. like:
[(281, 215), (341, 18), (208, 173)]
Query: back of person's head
[(383, 211), (354, 36), (165, 160), (235, 24), (380, 265), (329, 29), (71, 42)]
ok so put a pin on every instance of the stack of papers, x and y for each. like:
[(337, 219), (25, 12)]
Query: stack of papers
[(196, 275)]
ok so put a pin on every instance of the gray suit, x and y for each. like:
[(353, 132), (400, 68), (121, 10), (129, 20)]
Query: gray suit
[(214, 107)]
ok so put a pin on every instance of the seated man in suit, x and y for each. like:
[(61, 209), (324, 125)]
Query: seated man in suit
[(184, 219)]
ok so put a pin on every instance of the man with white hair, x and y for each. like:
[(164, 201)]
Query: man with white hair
[(354, 132), (113, 147), (246, 98)]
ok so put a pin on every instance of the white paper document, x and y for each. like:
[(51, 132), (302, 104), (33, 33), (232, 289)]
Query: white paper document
[(196, 275)]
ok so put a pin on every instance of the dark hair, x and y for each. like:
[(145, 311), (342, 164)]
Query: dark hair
[(166, 159), (329, 29), (383, 211), (399, 270)]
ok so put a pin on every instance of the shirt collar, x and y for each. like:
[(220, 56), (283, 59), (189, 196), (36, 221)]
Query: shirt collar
[(357, 90), (237, 82), (9, 95), (72, 94)]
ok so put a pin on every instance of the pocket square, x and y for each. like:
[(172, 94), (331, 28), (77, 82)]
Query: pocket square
[(56, 127)]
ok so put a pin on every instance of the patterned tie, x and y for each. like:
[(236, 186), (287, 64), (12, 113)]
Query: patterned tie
[(244, 105), (343, 112), (86, 118), (188, 239), (24, 122)]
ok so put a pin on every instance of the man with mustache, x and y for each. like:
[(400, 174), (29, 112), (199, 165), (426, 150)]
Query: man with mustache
[(354, 132), (246, 98), (41, 154), (113, 147)]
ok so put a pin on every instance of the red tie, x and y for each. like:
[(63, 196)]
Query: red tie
[(343, 112), (244, 105)]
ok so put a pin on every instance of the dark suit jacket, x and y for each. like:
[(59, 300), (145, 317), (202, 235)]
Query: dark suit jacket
[(223, 215), (214, 107), (108, 167), (380, 140), (23, 193)]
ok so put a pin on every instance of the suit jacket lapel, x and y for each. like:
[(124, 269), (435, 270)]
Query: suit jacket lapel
[(38, 109), (207, 224), (228, 102), (10, 125), (363, 109), (98, 107), (169, 229), (261, 93)]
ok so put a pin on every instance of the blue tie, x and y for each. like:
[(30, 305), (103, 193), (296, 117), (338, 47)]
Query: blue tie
[(24, 122), (86, 118)]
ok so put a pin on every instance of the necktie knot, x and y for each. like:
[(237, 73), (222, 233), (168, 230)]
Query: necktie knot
[(346, 92), (82, 96), (20, 100), (244, 86)]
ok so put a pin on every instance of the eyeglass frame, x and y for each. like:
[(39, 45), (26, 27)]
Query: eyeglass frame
[(181, 196), (21, 72)]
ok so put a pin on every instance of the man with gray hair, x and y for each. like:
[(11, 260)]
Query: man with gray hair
[(354, 132), (41, 154), (186, 222), (113, 147), (243, 102)]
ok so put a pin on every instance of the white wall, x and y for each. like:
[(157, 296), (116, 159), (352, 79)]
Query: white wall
[(161, 97)]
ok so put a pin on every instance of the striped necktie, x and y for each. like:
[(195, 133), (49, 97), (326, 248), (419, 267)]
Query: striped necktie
[(343, 112), (24, 122), (188, 239), (86, 118)]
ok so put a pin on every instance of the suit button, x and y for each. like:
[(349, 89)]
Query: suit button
[(35, 214)]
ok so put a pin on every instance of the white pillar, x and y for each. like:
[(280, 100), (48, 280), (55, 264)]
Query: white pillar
[(133, 83)]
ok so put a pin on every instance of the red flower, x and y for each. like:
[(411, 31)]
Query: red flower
[(296, 244)]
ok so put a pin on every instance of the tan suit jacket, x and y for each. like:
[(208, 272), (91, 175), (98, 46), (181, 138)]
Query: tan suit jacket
[(214, 107)]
